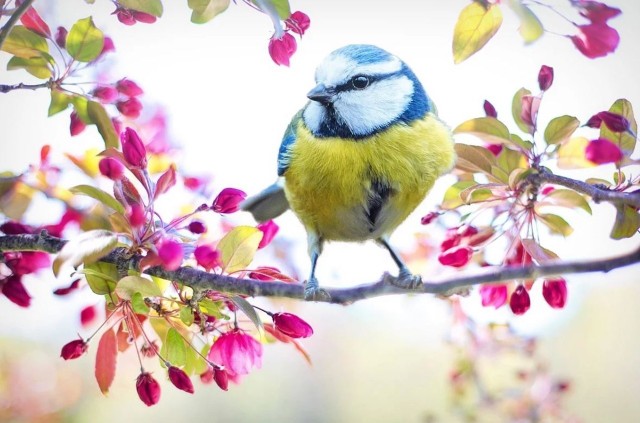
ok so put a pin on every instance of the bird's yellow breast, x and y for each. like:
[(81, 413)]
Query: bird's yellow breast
[(329, 180)]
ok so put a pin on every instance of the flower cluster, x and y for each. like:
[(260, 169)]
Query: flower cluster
[(282, 44)]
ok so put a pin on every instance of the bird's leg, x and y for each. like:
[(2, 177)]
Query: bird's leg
[(405, 278), (312, 290)]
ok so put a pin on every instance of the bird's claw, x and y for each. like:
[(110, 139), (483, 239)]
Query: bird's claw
[(313, 292), (406, 280)]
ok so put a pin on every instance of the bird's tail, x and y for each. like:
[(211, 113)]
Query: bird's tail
[(268, 204)]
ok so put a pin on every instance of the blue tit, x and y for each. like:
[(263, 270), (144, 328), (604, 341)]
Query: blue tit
[(359, 157)]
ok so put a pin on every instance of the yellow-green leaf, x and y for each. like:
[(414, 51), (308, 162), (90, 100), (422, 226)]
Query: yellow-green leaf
[(138, 305), (530, 27), (238, 247), (560, 129), (452, 198), (87, 248), (129, 285), (100, 195), (152, 7), (174, 349), (624, 140), (571, 154), (59, 102), (556, 224), (24, 43), (80, 105), (627, 222), (472, 158), (248, 310), (479, 193), (186, 315), (36, 66), (205, 10), (538, 252), (488, 129), (475, 27), (101, 277), (99, 116), (84, 40), (567, 198)]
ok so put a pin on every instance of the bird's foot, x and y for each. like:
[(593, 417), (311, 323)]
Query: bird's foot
[(313, 292), (406, 280)]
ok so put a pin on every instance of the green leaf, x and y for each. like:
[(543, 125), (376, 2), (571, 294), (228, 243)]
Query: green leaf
[(36, 66), (59, 102), (516, 109), (186, 315), (538, 252), (571, 154), (530, 27), (99, 116), (556, 224), (452, 198), (138, 305), (174, 349), (248, 310), (567, 198), (238, 247), (488, 129), (476, 25), (106, 355), (129, 285), (518, 175), (509, 160), (152, 7), (205, 10), (80, 105), (100, 195), (627, 222), (624, 140), (85, 41), (560, 129), (101, 277), (212, 308), (479, 193), (25, 44), (472, 158), (87, 248)]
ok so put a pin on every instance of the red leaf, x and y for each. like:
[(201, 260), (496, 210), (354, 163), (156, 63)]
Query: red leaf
[(105, 370), (166, 181), (32, 21)]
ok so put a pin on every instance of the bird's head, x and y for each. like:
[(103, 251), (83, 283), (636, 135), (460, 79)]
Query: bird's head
[(361, 90)]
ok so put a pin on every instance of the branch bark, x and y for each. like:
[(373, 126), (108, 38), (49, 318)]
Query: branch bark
[(13, 20), (202, 281)]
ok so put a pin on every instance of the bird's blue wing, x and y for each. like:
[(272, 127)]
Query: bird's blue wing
[(288, 140)]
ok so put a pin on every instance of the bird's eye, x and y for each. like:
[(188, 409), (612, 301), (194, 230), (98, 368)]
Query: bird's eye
[(360, 82)]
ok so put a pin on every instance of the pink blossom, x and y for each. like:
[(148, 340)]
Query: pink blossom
[(519, 301), (545, 77), (269, 230), (595, 11), (128, 88), (228, 200), (429, 217), (495, 149), (74, 349), (298, 22), (76, 125), (136, 215), (133, 149), (87, 315), (221, 377), (291, 325), (180, 380), (27, 262), (111, 168), (197, 227), (281, 49), (130, 107), (14, 290), (237, 352), (596, 40), (107, 47), (124, 16), (148, 389), (613, 121), (456, 256), (207, 256), (143, 17), (554, 292), (16, 228), (170, 254), (601, 151), (493, 295), (68, 289), (61, 37), (33, 22), (106, 94)]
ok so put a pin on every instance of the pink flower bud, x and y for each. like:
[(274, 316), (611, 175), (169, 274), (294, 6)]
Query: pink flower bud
[(33, 22), (548, 190), (207, 256), (456, 256), (228, 200), (596, 39), (595, 11), (74, 349), (170, 254), (76, 124), (130, 107), (495, 149), (291, 325), (124, 16), (15, 228), (29, 262), (106, 94), (493, 295), (519, 301), (108, 46), (67, 290), (529, 113), (197, 227), (269, 230), (143, 17), (148, 389), (554, 292), (601, 151), (111, 168), (429, 217), (281, 49), (136, 215), (221, 377), (545, 77), (133, 149), (61, 36), (87, 315), (298, 22), (128, 88), (180, 379), (614, 121), (489, 110), (14, 290)]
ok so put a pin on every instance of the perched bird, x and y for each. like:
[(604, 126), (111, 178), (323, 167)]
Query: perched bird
[(359, 157)]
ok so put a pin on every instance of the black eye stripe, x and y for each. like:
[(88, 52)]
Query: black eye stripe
[(348, 85)]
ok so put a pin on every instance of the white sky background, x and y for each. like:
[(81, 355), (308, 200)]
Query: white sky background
[(228, 104)]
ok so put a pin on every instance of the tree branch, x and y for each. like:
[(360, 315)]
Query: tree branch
[(13, 20), (203, 281), (4, 88), (596, 193)]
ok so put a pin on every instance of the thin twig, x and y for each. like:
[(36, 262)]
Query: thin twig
[(13, 20), (4, 88), (204, 281)]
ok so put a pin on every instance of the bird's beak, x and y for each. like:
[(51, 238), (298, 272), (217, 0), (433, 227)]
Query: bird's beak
[(321, 94)]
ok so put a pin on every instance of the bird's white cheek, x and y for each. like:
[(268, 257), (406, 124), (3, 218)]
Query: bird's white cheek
[(313, 116)]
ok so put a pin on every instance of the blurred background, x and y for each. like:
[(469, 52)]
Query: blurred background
[(392, 359)]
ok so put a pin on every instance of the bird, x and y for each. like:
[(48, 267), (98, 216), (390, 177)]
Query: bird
[(359, 157)]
